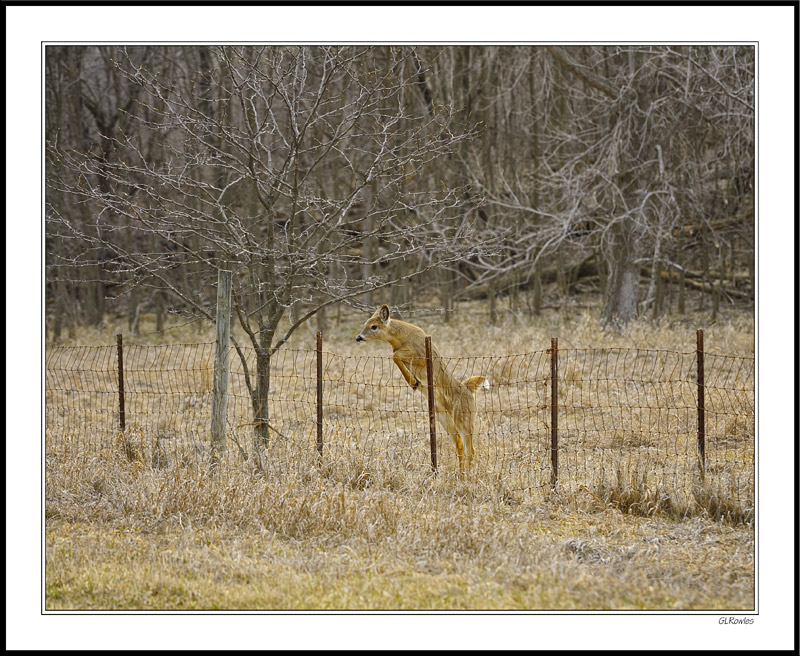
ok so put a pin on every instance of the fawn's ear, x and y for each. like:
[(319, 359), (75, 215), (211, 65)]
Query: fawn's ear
[(384, 313)]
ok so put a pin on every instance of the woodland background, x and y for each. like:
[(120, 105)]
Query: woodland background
[(321, 175)]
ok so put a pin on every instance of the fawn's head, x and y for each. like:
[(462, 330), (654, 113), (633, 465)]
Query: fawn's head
[(377, 326)]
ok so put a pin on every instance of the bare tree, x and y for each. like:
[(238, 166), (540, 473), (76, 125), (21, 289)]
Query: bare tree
[(308, 171), (642, 143)]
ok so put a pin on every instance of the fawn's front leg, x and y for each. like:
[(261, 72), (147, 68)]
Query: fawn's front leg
[(411, 379)]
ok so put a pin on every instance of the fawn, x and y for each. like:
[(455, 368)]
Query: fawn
[(454, 400)]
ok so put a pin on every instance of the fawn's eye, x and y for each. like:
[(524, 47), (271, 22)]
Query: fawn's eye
[(374, 327)]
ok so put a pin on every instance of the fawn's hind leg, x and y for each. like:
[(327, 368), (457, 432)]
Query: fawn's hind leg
[(450, 427), (465, 429), (459, 449)]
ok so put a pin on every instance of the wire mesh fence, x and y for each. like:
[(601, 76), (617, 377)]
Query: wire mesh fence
[(618, 418)]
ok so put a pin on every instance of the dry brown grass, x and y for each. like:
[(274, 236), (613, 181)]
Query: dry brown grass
[(356, 535), (372, 529)]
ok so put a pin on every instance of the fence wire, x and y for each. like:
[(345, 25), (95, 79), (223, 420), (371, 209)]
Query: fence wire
[(625, 416)]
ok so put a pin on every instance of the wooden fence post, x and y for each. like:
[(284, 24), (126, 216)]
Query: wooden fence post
[(319, 393), (701, 404), (121, 379), (219, 403), (431, 400), (554, 411)]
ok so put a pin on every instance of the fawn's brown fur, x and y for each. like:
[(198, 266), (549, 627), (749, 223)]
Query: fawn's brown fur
[(454, 400)]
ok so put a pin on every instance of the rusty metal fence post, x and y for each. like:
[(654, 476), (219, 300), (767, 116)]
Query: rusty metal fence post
[(319, 393), (701, 404), (554, 411), (431, 399), (121, 378)]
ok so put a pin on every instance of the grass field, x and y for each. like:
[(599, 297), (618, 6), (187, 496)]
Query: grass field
[(123, 536), (371, 528)]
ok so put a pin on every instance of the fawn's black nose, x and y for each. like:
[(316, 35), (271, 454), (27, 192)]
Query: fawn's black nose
[(359, 338)]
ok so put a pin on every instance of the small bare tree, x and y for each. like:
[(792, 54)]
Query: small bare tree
[(307, 171)]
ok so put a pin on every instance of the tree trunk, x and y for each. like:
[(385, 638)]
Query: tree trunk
[(622, 283), (663, 293), (398, 293), (369, 241), (446, 292), (492, 303), (159, 300), (628, 294), (322, 320), (536, 304), (60, 312), (133, 312), (260, 396)]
